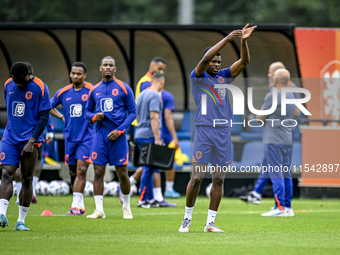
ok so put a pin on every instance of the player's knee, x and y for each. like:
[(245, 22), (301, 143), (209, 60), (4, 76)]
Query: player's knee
[(82, 172), (98, 174), (218, 182), (122, 173), (196, 181), (7, 175)]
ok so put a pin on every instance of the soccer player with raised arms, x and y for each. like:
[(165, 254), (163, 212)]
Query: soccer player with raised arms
[(28, 105), (78, 131), (213, 144), (115, 108)]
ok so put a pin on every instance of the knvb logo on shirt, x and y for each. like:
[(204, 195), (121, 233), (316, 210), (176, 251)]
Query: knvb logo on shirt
[(76, 110), (222, 92), (84, 97), (106, 104), (18, 109), (115, 92), (28, 95)]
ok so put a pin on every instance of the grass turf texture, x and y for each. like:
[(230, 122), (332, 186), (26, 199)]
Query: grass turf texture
[(313, 230)]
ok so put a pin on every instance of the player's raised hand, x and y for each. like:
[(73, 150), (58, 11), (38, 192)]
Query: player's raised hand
[(247, 31), (235, 34), (100, 116)]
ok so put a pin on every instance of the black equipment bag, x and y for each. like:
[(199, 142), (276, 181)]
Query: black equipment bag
[(133, 153), (161, 157)]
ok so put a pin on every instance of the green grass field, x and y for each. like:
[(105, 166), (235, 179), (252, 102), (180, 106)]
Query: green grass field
[(315, 229)]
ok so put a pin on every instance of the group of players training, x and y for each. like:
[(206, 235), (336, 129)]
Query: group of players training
[(96, 122)]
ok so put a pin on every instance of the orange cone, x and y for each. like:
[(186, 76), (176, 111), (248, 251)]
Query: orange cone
[(46, 213)]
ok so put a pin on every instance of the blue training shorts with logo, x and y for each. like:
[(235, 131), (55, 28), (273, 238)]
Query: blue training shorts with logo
[(212, 145), (104, 150), (77, 150), (11, 153)]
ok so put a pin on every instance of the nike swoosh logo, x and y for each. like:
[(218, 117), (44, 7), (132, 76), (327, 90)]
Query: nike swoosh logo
[(85, 157), (121, 160), (6, 204), (98, 93), (68, 98), (10, 92)]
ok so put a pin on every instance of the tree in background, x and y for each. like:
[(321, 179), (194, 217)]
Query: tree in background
[(308, 13)]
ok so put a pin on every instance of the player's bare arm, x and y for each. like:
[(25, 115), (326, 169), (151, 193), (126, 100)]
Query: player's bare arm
[(169, 122), (240, 64), (154, 116), (261, 118), (55, 113), (210, 54)]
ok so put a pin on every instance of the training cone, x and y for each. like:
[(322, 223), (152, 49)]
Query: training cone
[(46, 213)]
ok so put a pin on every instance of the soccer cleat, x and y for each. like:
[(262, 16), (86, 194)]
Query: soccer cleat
[(17, 202), (166, 204), (184, 228), (96, 215), (275, 213), (3, 221), (212, 228), (250, 198), (74, 211), (34, 199), (82, 211), (289, 211), (127, 212), (154, 204), (21, 226), (120, 194), (171, 194), (144, 204)]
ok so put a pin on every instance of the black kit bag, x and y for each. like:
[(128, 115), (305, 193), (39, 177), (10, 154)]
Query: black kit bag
[(157, 156), (133, 153)]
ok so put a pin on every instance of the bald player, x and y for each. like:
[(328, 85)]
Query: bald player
[(278, 142), (255, 195)]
